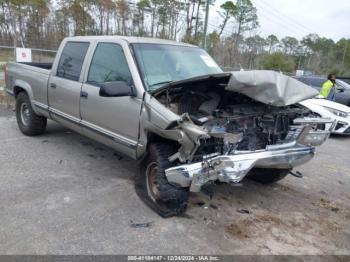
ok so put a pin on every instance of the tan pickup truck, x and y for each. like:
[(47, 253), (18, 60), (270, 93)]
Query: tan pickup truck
[(169, 105)]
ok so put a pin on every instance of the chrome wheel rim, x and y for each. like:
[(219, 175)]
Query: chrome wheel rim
[(25, 114), (152, 185)]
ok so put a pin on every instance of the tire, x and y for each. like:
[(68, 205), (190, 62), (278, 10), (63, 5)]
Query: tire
[(28, 121), (152, 186), (267, 176)]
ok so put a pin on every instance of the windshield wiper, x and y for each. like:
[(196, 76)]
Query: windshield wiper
[(160, 83)]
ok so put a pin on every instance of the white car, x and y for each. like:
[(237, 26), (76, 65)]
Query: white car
[(332, 110)]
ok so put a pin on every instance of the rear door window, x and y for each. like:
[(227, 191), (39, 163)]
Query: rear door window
[(72, 59)]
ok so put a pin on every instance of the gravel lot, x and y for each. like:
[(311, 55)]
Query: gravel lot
[(62, 193)]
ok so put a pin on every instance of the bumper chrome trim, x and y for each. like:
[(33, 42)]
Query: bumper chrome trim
[(233, 168), (297, 150)]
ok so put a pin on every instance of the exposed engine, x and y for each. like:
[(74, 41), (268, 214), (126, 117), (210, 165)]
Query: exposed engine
[(233, 121)]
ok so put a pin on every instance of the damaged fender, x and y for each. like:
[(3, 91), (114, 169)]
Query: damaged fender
[(157, 119)]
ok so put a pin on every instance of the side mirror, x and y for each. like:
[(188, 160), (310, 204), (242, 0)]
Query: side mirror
[(116, 89)]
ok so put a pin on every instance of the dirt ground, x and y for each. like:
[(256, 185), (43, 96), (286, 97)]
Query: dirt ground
[(62, 193)]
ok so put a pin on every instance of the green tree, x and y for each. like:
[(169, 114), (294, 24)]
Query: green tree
[(342, 54), (246, 19), (143, 6), (289, 44), (256, 45), (104, 9), (278, 62), (229, 11), (272, 41), (123, 10)]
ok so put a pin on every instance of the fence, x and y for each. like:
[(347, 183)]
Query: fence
[(7, 54)]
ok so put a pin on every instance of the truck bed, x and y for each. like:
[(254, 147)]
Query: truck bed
[(46, 66), (33, 76)]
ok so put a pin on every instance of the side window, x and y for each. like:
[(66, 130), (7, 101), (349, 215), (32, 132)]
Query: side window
[(109, 64), (72, 59)]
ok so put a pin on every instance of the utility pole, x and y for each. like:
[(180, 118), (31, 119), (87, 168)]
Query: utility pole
[(206, 25)]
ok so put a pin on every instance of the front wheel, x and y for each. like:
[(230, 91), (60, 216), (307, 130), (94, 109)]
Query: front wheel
[(267, 175), (28, 121), (153, 187)]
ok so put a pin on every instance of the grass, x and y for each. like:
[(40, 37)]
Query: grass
[(6, 54), (2, 66)]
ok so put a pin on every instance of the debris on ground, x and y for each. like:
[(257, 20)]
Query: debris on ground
[(140, 225), (243, 211), (213, 206), (200, 203)]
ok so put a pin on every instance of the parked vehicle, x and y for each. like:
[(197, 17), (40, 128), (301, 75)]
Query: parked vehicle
[(339, 113), (169, 105), (342, 95), (344, 79)]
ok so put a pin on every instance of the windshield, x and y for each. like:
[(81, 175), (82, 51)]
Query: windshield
[(161, 64)]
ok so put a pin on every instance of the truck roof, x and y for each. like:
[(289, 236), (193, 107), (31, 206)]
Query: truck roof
[(129, 39)]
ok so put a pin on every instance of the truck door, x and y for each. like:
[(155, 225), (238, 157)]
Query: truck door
[(113, 118), (65, 84)]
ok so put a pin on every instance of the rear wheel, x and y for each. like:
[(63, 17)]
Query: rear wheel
[(153, 187), (267, 175), (28, 121)]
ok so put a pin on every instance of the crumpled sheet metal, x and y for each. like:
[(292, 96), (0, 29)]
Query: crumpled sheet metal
[(270, 87)]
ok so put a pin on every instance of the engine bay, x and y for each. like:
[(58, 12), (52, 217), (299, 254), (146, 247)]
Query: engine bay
[(234, 121)]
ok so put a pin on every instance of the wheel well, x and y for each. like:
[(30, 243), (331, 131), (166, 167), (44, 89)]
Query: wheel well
[(17, 90), (155, 138)]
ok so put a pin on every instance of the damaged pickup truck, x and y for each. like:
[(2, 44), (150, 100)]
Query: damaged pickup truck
[(170, 106)]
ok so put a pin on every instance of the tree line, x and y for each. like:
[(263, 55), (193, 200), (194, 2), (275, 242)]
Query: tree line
[(232, 40)]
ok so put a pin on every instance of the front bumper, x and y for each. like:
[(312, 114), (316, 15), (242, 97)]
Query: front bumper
[(233, 168)]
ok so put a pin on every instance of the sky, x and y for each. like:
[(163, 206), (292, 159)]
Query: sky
[(296, 18)]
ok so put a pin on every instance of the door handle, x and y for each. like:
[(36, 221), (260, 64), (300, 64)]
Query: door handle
[(84, 94), (53, 85)]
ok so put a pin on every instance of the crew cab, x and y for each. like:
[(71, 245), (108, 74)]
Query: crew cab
[(169, 105)]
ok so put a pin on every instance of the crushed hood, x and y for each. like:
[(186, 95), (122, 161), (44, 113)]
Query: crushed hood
[(270, 87)]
